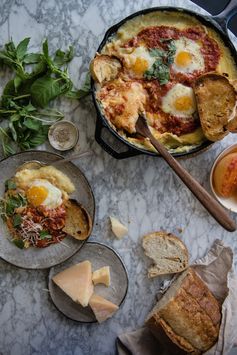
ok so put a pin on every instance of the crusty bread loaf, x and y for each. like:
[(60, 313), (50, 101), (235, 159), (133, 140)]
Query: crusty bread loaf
[(216, 99), (168, 252), (187, 318), (104, 68), (78, 223)]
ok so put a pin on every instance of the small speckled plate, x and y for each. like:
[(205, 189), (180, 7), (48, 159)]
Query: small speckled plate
[(228, 202), (99, 255), (42, 258)]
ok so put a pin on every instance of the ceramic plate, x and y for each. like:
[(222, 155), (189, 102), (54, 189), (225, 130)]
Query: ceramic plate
[(36, 258), (99, 255)]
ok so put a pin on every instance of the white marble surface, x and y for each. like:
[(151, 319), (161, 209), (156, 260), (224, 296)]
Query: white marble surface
[(142, 192)]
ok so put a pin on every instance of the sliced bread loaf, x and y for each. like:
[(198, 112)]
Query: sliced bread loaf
[(167, 251), (187, 318)]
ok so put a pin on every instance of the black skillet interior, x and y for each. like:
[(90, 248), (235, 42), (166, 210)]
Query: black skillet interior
[(117, 146)]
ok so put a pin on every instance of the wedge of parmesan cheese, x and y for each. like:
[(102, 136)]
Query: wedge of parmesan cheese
[(102, 308), (101, 276), (76, 282), (118, 228)]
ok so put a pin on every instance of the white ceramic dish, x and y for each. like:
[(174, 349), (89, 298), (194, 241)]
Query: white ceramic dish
[(229, 202)]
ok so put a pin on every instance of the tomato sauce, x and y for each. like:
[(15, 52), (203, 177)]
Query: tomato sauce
[(157, 37)]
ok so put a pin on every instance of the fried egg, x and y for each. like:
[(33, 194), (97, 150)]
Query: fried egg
[(188, 56), (42, 193), (179, 101), (138, 61)]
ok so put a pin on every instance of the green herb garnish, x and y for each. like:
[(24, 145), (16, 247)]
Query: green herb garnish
[(16, 220), (13, 202), (10, 184), (19, 243), (160, 69), (45, 235), (39, 79)]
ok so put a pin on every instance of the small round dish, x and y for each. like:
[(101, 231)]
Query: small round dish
[(228, 202), (63, 135), (99, 255)]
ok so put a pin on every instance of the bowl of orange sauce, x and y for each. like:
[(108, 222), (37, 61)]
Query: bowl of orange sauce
[(223, 178)]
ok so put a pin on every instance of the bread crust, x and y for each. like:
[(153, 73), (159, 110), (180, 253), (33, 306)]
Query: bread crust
[(216, 99), (153, 272), (104, 68), (193, 314), (176, 344)]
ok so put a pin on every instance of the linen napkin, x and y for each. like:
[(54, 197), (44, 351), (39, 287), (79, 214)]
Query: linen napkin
[(217, 271)]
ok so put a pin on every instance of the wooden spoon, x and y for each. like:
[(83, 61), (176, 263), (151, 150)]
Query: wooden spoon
[(212, 206)]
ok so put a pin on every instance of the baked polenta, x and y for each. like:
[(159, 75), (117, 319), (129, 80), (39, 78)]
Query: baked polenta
[(155, 60)]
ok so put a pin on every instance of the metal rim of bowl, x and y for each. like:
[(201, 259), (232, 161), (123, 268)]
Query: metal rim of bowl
[(125, 270), (226, 151)]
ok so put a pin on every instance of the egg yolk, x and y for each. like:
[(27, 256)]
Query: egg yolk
[(140, 66), (183, 59), (36, 195), (183, 103)]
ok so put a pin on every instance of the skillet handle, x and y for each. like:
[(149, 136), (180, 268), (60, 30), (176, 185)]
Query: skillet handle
[(114, 148), (224, 17)]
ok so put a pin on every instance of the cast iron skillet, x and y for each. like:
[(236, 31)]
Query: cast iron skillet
[(120, 148)]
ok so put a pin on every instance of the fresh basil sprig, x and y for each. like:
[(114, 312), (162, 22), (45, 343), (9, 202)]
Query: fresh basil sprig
[(13, 202), (39, 79), (160, 69)]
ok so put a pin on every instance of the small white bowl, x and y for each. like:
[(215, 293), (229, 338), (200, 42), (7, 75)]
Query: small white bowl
[(228, 202)]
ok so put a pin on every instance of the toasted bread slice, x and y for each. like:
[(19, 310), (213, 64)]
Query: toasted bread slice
[(232, 124), (216, 100), (78, 223), (104, 68), (168, 252)]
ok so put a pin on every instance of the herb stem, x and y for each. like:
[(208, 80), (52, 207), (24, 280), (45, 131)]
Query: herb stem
[(21, 97), (41, 120)]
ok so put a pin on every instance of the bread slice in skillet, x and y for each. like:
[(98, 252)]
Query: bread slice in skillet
[(104, 68), (167, 251), (216, 100), (78, 223), (232, 124)]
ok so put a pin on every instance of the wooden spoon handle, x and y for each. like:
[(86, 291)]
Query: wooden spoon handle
[(213, 207)]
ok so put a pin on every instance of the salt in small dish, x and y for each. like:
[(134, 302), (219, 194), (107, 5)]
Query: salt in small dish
[(63, 135)]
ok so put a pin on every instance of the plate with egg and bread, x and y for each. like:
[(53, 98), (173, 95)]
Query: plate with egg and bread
[(47, 212)]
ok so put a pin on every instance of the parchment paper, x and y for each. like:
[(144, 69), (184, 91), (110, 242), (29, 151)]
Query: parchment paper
[(217, 271)]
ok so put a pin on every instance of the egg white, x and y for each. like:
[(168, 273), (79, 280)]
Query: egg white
[(54, 195), (193, 51), (138, 61), (179, 92)]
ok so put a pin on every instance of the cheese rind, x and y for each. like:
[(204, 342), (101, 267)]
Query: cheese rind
[(102, 308), (76, 282), (118, 228), (101, 276)]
